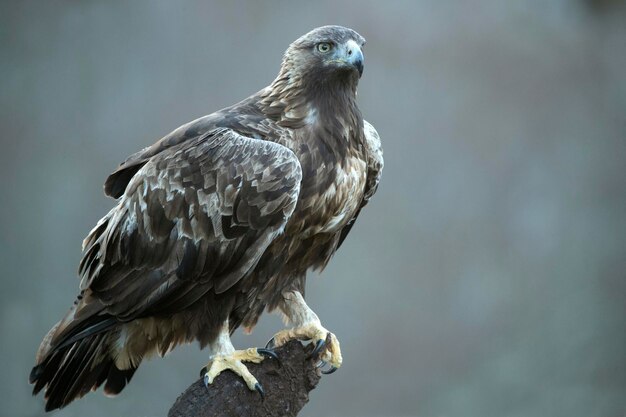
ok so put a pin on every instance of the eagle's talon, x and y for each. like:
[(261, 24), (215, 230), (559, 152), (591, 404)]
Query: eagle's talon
[(271, 344), (267, 352), (260, 390), (319, 346), (330, 371)]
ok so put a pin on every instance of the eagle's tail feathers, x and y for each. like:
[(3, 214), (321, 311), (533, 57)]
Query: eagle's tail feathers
[(73, 370), (117, 379)]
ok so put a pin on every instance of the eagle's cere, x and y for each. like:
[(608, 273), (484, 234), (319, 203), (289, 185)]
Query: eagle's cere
[(218, 221)]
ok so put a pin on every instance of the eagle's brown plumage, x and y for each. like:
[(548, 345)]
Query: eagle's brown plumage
[(216, 220)]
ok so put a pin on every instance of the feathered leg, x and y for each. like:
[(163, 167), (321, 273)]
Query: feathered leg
[(307, 326), (224, 356)]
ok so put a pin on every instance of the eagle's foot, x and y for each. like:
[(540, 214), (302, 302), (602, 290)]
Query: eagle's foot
[(326, 344), (234, 362)]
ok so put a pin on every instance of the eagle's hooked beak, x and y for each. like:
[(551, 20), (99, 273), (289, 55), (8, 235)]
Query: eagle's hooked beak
[(354, 56)]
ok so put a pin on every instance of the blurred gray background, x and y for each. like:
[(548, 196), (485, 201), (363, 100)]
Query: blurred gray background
[(487, 277)]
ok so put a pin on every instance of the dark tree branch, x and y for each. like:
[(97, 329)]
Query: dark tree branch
[(286, 382)]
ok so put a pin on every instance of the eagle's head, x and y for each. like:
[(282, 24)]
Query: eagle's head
[(326, 54), (320, 70)]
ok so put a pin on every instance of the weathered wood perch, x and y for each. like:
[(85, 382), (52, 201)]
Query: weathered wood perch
[(286, 382)]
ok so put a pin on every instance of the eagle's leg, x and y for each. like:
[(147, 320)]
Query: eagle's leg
[(224, 356), (307, 326)]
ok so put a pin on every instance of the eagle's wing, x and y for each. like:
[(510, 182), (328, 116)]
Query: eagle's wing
[(198, 215), (116, 182), (375, 163)]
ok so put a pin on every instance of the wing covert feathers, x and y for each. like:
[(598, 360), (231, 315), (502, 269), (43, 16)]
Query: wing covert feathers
[(199, 213)]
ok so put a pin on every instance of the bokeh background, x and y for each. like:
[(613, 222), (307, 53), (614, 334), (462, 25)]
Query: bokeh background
[(487, 277)]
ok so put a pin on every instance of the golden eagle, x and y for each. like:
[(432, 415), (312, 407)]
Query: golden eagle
[(218, 221)]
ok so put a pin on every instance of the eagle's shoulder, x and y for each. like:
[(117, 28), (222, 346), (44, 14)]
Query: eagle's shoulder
[(117, 181), (244, 118)]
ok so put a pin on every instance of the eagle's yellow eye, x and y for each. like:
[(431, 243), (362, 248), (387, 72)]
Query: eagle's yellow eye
[(324, 47)]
